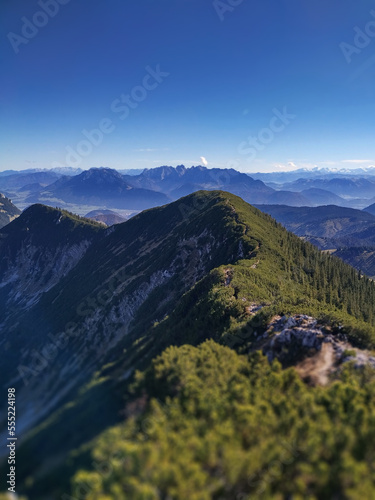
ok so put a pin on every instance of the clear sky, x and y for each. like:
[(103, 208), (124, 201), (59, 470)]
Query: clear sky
[(258, 85)]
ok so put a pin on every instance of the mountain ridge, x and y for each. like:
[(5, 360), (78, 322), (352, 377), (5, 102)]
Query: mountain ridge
[(208, 266), (34, 259)]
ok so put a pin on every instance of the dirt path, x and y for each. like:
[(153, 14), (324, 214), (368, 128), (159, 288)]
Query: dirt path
[(316, 369)]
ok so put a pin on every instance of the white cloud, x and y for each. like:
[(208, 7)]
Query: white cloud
[(204, 161)]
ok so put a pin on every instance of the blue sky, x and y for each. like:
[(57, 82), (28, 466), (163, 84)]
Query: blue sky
[(222, 72)]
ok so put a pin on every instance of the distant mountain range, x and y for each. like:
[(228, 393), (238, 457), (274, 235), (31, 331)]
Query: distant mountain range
[(55, 170), (70, 171), (349, 232), (344, 190), (353, 188), (19, 180), (107, 217), (181, 181), (107, 188), (319, 196), (277, 176), (336, 226), (104, 188), (281, 177), (370, 209), (330, 222), (99, 187)]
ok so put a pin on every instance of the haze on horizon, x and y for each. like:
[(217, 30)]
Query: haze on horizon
[(261, 86)]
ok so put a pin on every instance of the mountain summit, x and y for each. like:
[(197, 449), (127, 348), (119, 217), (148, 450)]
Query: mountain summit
[(181, 181), (101, 187)]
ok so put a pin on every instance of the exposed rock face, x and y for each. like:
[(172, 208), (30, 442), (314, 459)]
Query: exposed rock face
[(347, 353), (299, 330), (37, 250), (316, 352), (26, 283), (8, 211)]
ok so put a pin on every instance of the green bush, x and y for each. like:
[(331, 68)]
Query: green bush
[(207, 423)]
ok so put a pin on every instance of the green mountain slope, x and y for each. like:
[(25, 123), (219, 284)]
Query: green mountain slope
[(208, 266)]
